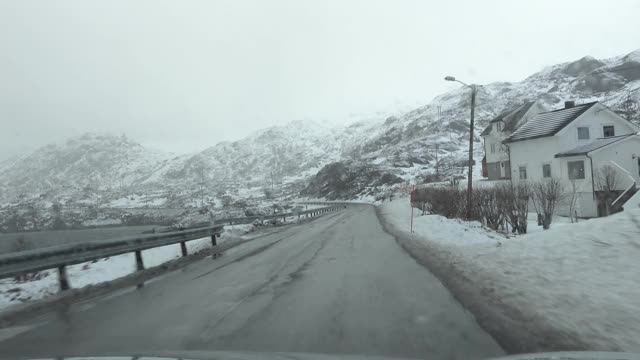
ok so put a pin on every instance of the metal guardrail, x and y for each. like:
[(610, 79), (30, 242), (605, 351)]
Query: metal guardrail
[(59, 257), (25, 262), (334, 203), (263, 218)]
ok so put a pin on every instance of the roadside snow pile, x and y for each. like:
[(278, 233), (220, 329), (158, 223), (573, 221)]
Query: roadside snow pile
[(80, 275), (579, 278)]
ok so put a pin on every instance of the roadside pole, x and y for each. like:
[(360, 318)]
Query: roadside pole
[(413, 192)]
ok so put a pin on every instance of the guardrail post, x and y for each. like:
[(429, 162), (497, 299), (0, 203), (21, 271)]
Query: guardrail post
[(213, 246), (183, 247), (139, 265), (63, 280)]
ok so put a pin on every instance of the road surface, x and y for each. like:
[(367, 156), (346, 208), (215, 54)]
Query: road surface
[(337, 285)]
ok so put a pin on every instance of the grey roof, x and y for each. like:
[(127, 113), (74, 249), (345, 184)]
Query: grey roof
[(511, 121), (510, 117), (486, 130), (548, 123), (592, 145)]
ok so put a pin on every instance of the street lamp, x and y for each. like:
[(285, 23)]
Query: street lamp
[(473, 106)]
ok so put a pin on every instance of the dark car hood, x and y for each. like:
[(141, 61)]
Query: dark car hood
[(241, 355)]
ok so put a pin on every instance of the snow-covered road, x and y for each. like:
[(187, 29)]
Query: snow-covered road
[(338, 284)]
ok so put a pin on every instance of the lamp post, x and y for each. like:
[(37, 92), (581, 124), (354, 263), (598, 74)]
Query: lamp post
[(473, 108)]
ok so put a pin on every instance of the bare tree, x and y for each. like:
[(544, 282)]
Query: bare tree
[(606, 183), (629, 108), (546, 195), (227, 200)]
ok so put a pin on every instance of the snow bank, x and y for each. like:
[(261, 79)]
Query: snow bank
[(581, 278)]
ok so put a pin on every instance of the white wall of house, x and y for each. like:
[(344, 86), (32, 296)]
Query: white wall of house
[(594, 119), (535, 153), (496, 137), (532, 154), (497, 152), (622, 153), (586, 205)]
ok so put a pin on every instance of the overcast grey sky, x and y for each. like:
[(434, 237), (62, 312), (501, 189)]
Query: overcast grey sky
[(182, 75)]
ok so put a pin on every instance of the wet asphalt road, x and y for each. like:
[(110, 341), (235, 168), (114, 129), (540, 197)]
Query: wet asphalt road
[(338, 284)]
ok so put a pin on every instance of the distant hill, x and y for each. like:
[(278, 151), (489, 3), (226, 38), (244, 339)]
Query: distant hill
[(107, 170)]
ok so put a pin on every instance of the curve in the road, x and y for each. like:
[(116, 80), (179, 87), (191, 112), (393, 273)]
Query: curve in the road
[(339, 284)]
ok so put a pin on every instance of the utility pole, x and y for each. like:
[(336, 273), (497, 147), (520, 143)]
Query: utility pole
[(437, 165), (473, 109), (201, 188), (469, 177)]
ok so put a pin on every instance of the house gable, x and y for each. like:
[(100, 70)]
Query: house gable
[(501, 127), (595, 119), (549, 123)]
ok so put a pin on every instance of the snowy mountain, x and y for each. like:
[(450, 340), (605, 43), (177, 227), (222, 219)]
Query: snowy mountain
[(297, 150), (406, 145), (105, 169), (90, 162)]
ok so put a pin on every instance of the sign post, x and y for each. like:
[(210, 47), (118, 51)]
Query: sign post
[(413, 195)]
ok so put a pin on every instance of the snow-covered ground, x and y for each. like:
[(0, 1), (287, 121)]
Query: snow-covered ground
[(582, 278), (13, 292)]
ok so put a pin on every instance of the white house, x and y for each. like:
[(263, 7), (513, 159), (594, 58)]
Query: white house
[(499, 129), (574, 144)]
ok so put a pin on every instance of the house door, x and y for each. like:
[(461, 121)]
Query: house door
[(502, 170)]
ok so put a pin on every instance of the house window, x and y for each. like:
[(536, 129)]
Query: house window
[(546, 170), (583, 133), (576, 169), (499, 126), (608, 131), (493, 148), (523, 172)]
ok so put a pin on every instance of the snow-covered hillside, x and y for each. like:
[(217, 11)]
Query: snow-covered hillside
[(104, 168), (88, 163)]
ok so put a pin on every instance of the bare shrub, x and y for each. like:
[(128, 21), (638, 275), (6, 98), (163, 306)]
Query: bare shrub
[(448, 202), (546, 195), (513, 202), (486, 206), (606, 181)]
